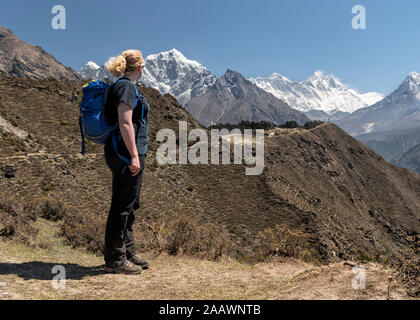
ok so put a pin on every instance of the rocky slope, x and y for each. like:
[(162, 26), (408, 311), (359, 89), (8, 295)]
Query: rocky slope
[(345, 186), (392, 144), (233, 98), (24, 60), (322, 182)]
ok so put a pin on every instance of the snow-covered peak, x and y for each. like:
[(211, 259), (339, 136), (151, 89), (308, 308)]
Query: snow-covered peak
[(171, 72), (89, 70), (167, 54), (413, 80), (320, 91), (278, 76), (414, 75), (92, 65), (409, 88), (174, 55), (320, 77)]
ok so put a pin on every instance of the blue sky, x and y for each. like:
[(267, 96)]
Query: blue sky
[(256, 38)]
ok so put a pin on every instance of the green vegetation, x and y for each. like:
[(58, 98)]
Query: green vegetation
[(245, 125), (266, 125)]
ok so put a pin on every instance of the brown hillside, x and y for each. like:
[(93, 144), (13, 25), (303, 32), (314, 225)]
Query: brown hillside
[(19, 58), (348, 200), (367, 204)]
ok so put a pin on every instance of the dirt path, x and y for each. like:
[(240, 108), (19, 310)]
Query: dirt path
[(51, 155), (26, 273)]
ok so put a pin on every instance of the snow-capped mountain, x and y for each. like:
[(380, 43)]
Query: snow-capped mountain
[(233, 98), (89, 70), (318, 92), (169, 72), (400, 110)]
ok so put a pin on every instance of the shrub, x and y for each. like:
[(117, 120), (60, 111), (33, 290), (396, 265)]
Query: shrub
[(181, 234), (16, 222), (51, 209), (245, 125), (284, 242), (290, 125), (312, 124), (81, 230)]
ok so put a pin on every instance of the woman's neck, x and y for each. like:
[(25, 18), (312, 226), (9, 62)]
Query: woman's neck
[(130, 76)]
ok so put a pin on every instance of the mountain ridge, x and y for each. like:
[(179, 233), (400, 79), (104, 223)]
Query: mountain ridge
[(233, 98), (22, 59), (319, 92), (332, 96), (399, 110)]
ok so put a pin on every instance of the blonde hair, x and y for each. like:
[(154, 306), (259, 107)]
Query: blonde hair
[(128, 61)]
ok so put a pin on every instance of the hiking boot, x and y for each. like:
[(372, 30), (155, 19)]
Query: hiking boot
[(139, 261), (126, 267)]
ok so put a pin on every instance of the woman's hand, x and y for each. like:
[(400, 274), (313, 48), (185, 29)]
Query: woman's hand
[(135, 165)]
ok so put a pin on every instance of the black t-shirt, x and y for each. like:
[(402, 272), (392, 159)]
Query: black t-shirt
[(125, 91)]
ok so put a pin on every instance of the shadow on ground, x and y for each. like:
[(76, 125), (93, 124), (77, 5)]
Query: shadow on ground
[(43, 271)]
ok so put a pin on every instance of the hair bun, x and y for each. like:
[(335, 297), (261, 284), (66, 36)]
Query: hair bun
[(116, 65)]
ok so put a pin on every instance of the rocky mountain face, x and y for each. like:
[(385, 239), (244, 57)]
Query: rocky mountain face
[(398, 111), (169, 72), (322, 182), (24, 60), (323, 116), (409, 159), (319, 92), (392, 144), (233, 98)]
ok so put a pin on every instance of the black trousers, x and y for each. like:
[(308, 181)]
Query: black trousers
[(119, 240)]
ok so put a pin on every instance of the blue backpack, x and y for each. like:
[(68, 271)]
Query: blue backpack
[(92, 123)]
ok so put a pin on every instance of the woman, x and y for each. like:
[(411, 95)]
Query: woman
[(131, 110)]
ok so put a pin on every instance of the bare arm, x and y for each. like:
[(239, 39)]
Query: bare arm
[(125, 114)]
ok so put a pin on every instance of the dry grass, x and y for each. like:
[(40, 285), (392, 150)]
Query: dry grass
[(26, 274), (284, 242), (179, 234), (175, 234)]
